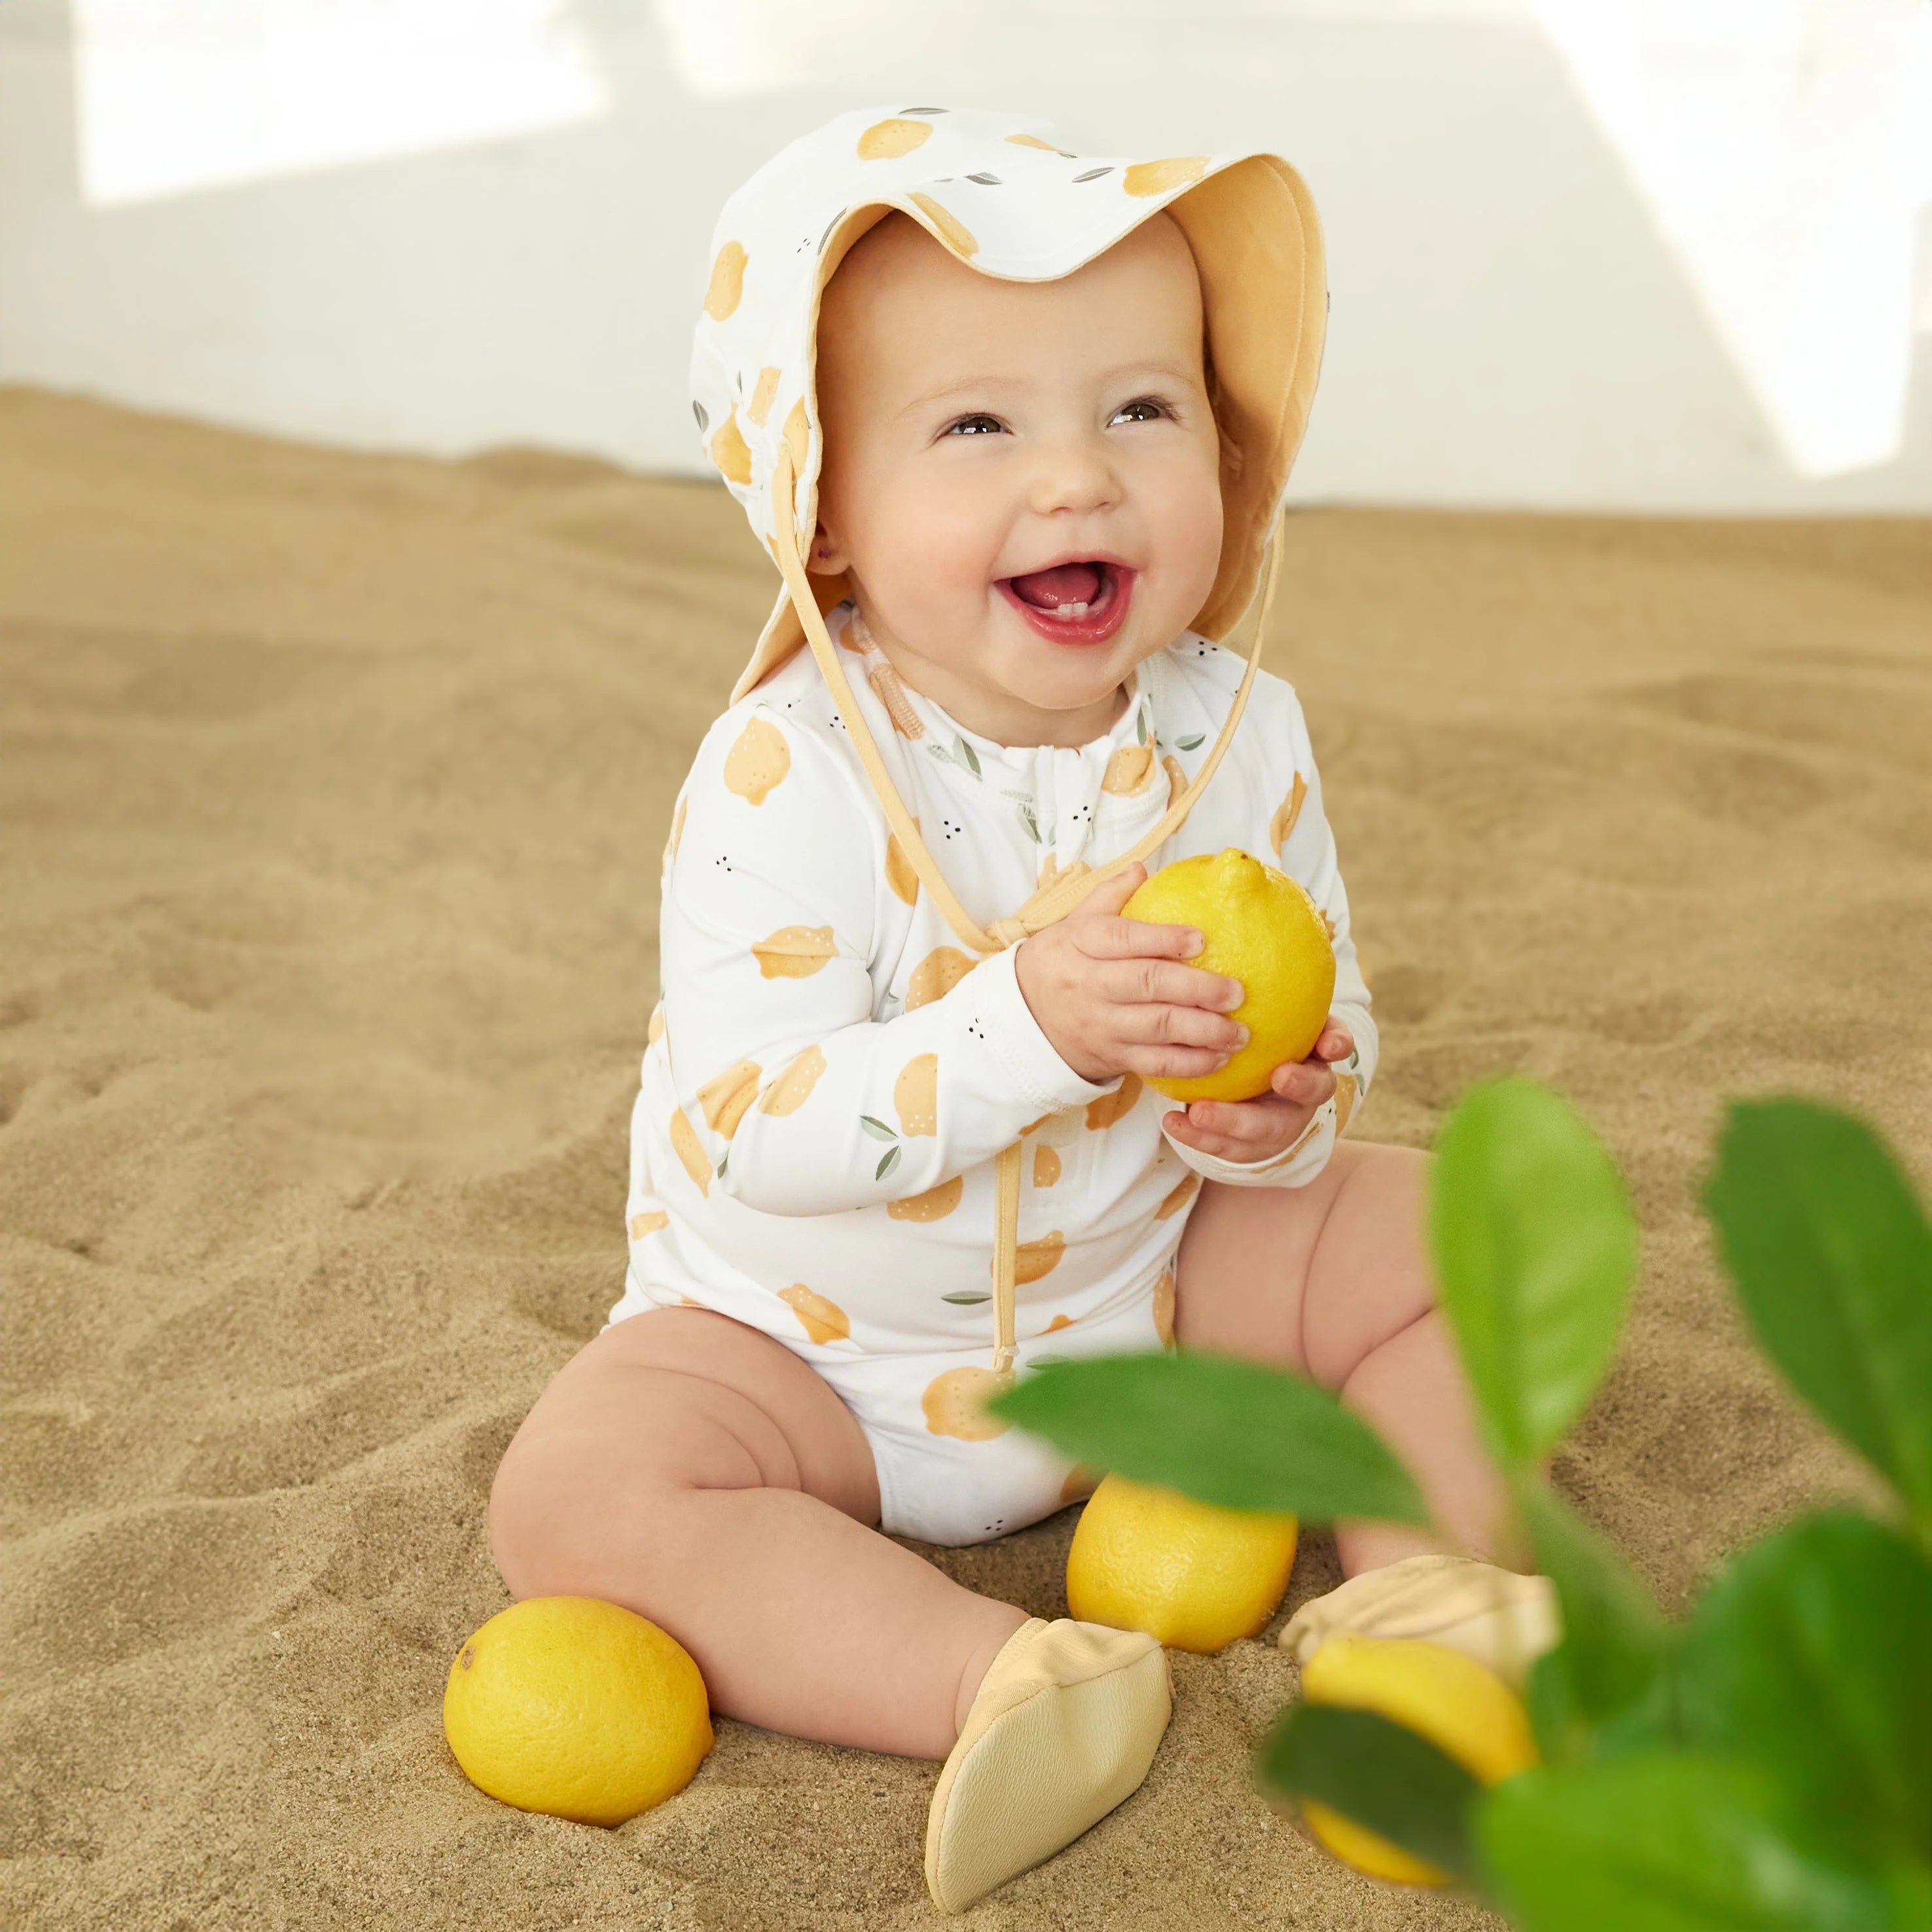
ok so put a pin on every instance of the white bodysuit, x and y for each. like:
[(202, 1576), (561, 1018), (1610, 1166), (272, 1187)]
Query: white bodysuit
[(830, 1077)]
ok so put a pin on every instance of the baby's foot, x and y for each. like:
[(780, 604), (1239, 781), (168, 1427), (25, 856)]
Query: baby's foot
[(1064, 1727), (1500, 1618)]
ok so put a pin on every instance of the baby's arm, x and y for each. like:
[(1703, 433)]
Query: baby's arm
[(795, 1099), (1284, 1139)]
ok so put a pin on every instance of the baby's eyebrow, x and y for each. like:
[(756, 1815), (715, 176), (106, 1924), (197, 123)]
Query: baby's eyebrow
[(987, 386)]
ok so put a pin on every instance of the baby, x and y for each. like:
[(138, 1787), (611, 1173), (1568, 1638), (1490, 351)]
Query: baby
[(1015, 424)]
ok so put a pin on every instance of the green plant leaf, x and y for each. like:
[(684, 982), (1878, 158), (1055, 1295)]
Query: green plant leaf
[(1228, 1431), (1811, 1657), (1679, 1844), (1564, 1736), (1832, 1257), (1379, 1774), (1614, 1636), (1535, 1249)]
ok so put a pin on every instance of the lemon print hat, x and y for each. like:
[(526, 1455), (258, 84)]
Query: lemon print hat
[(1004, 198)]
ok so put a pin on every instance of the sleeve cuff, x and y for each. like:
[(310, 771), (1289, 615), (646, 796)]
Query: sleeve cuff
[(1295, 1167), (1027, 1057)]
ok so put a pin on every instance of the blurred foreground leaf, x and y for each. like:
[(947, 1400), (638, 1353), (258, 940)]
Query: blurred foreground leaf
[(1614, 1636), (1811, 1657), (1535, 1249), (1225, 1431), (1832, 1257), (1679, 1844), (1377, 1773)]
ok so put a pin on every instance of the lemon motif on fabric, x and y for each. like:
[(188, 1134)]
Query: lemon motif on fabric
[(690, 1151), (1117, 1106), (899, 873), (756, 765), (886, 140), (727, 287), (1178, 1196), (952, 230), (955, 1404), (725, 1096), (1046, 1167), (1287, 812), (648, 1222), (916, 1096), (1033, 1260), (934, 1204), (731, 453), (791, 1089), (795, 952), (823, 1320), (1129, 770), (1158, 177), (936, 975), (577, 1708), (1261, 929)]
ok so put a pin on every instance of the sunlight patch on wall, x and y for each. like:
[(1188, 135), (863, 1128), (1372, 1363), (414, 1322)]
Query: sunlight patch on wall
[(178, 95), (1784, 150)]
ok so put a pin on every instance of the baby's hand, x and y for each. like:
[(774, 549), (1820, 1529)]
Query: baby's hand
[(1258, 1129), (1112, 995)]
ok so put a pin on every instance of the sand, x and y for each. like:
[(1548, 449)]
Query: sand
[(332, 789)]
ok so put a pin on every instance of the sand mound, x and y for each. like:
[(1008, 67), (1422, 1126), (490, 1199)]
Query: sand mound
[(333, 788)]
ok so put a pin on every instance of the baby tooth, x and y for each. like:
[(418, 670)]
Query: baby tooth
[(1069, 609)]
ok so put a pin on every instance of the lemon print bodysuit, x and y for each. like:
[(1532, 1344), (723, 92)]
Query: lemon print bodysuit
[(851, 1133)]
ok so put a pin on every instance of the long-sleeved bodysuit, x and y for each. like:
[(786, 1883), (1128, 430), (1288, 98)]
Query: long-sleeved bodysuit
[(830, 1077)]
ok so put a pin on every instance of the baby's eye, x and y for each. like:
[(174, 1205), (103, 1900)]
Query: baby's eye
[(975, 425), (1142, 409)]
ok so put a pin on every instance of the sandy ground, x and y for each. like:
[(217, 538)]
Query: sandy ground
[(332, 789)]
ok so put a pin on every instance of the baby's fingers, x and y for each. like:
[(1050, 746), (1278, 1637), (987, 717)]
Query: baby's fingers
[(1116, 938), (1128, 982)]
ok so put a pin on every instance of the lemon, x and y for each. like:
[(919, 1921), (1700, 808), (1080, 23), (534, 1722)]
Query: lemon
[(1460, 1705), (1263, 929), (1195, 1576), (577, 1708)]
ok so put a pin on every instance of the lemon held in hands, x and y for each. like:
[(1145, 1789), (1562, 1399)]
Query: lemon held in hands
[(577, 1708), (1195, 1576), (1263, 929), (1464, 1709)]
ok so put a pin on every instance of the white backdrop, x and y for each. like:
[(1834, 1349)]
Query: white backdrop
[(1646, 254)]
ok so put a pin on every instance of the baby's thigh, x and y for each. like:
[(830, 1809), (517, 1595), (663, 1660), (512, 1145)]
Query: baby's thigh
[(658, 1406), (1312, 1278)]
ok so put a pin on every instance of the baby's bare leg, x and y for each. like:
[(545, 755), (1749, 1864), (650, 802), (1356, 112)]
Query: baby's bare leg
[(1330, 1280), (700, 1473)]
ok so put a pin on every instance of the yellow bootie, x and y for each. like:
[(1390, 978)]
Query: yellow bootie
[(1062, 1728), (1500, 1618)]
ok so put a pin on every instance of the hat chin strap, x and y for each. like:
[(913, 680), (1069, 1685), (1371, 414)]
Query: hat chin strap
[(1045, 906)]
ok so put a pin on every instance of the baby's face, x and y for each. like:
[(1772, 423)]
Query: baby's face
[(1022, 478)]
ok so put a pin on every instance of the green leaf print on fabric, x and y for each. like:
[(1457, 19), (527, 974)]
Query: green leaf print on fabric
[(1193, 744), (877, 1130), (967, 755), (966, 1297), (888, 1161)]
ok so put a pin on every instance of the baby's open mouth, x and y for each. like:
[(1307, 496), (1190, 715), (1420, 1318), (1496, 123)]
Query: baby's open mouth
[(1079, 603)]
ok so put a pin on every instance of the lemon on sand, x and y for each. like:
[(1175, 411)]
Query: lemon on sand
[(1461, 1708), (1263, 929), (577, 1708), (1194, 1575)]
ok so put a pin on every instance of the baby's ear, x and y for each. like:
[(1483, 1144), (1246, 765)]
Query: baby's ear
[(825, 558)]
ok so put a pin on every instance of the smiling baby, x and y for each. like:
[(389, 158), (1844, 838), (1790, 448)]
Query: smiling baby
[(1015, 424)]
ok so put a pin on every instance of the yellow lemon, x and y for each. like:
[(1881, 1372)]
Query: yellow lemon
[(1460, 1706), (1195, 1576), (1263, 929), (577, 1708)]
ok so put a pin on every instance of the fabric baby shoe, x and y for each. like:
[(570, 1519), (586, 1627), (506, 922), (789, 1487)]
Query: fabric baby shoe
[(1063, 1728), (1498, 1618)]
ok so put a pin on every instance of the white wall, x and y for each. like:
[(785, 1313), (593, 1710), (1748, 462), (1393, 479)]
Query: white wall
[(1646, 254)]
